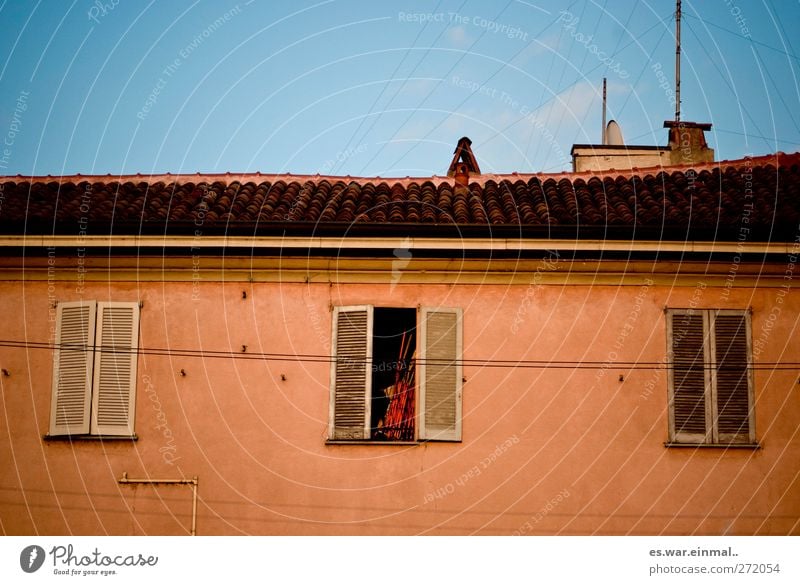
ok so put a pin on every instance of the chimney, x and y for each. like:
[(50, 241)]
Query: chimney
[(687, 143), (463, 163), (462, 175)]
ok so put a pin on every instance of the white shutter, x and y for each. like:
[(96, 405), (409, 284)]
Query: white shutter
[(117, 339), (351, 373), (440, 374), (690, 419), (733, 413), (72, 368)]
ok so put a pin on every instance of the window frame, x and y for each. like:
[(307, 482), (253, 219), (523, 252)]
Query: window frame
[(712, 436), (95, 375), (421, 432)]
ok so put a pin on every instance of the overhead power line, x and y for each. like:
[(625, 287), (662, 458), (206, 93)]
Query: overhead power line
[(742, 36), (321, 358)]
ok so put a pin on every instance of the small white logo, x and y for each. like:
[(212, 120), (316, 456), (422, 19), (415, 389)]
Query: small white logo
[(402, 259), (31, 558)]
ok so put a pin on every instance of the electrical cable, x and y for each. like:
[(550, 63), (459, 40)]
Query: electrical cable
[(321, 358)]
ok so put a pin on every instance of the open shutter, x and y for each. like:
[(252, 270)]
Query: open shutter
[(440, 375), (351, 373), (733, 387), (689, 381), (116, 343), (72, 368)]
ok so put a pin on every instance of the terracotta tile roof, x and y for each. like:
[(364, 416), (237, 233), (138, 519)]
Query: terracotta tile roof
[(709, 201)]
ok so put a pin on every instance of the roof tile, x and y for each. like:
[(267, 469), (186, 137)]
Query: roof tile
[(754, 193)]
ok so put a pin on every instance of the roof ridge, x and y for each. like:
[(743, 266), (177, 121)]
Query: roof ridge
[(778, 158)]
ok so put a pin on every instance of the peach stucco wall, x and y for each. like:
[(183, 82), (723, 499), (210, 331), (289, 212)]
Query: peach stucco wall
[(569, 451)]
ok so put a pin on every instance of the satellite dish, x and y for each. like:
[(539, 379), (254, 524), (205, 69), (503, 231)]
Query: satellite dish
[(614, 134)]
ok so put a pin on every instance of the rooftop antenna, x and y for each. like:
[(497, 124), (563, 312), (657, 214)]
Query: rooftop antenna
[(678, 62), (603, 133)]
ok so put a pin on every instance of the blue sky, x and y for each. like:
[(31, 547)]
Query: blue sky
[(380, 88)]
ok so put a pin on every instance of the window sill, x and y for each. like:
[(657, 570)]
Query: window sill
[(76, 438), (714, 445), (369, 442), (374, 442)]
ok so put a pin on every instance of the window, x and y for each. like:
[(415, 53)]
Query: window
[(94, 369), (710, 380), (380, 389)]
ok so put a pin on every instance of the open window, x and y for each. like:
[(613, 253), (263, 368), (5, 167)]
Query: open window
[(394, 347), (396, 375)]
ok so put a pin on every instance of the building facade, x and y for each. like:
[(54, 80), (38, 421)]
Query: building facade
[(521, 354)]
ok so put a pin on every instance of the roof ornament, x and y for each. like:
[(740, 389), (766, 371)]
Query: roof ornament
[(464, 162)]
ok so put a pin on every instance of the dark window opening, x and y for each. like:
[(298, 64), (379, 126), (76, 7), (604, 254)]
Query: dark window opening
[(394, 344)]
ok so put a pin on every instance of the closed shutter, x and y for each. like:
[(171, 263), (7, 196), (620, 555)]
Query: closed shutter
[(731, 335), (689, 421), (441, 375), (116, 343), (72, 368), (351, 373)]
